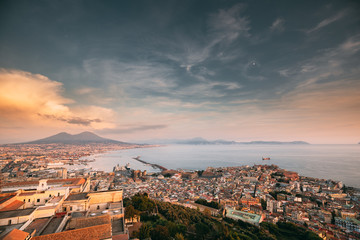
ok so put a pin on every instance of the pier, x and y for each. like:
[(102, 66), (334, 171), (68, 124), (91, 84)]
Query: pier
[(151, 164)]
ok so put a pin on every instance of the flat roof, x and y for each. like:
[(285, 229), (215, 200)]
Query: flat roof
[(36, 224), (16, 213), (244, 216), (77, 196)]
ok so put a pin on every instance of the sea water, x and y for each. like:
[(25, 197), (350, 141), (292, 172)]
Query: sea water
[(337, 162)]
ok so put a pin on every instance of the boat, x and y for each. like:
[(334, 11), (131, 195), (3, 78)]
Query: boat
[(265, 158), (127, 166)]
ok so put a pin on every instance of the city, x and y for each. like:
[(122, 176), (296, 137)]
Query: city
[(179, 120), (42, 197)]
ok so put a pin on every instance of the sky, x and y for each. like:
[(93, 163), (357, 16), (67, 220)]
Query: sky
[(140, 70)]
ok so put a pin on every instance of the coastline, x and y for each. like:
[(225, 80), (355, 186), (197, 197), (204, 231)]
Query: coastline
[(338, 163)]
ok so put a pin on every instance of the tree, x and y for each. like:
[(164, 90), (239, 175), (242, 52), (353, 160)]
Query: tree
[(201, 230), (130, 212), (144, 231), (179, 236), (207, 212), (160, 233)]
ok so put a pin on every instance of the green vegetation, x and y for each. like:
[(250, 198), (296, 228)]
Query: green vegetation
[(211, 204), (165, 221), (283, 230)]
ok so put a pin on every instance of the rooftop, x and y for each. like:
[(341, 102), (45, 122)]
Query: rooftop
[(37, 225), (12, 206), (6, 197), (89, 221), (16, 234), (244, 216), (16, 213), (89, 233), (77, 196)]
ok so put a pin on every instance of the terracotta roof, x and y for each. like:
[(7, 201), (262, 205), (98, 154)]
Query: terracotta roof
[(27, 193), (121, 237), (83, 222), (71, 181), (6, 197), (89, 233), (26, 183), (16, 234), (12, 206)]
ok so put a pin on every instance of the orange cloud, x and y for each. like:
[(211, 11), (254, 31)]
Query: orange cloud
[(33, 99)]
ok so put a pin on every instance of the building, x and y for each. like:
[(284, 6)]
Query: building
[(244, 216), (350, 224)]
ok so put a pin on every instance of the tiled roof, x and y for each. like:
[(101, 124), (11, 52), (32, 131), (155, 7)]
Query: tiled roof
[(121, 237), (12, 206), (89, 233), (6, 197), (70, 181), (16, 234), (90, 221)]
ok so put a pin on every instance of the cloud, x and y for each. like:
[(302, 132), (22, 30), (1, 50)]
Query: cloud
[(228, 24), (73, 120), (278, 25), (131, 129), (27, 94), (36, 100), (327, 21), (86, 90)]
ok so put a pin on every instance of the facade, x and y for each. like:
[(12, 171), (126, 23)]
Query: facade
[(350, 224), (60, 209)]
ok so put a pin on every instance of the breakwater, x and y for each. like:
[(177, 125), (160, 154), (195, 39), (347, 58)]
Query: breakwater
[(150, 164)]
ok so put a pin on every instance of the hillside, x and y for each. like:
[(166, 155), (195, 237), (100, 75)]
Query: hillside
[(81, 138), (165, 221)]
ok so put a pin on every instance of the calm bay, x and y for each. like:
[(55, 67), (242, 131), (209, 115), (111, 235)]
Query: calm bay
[(337, 162)]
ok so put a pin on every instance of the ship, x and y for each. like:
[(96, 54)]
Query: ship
[(265, 158), (127, 166)]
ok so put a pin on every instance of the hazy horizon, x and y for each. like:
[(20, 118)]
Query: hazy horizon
[(133, 71)]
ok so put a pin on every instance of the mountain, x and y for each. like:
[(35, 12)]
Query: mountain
[(202, 141), (81, 138), (274, 142)]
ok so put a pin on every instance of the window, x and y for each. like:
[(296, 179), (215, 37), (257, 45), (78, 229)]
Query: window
[(49, 195), (64, 209), (38, 200), (58, 194), (24, 199), (70, 208), (29, 200), (98, 207), (9, 222)]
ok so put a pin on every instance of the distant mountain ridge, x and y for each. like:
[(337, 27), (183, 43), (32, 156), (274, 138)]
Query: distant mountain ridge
[(81, 138), (274, 142), (202, 141)]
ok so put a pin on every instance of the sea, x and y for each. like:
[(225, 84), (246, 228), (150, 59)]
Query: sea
[(337, 162)]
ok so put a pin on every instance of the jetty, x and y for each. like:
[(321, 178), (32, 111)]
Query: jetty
[(150, 164)]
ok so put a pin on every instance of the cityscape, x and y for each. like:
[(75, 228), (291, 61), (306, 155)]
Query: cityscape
[(50, 190), (179, 120)]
